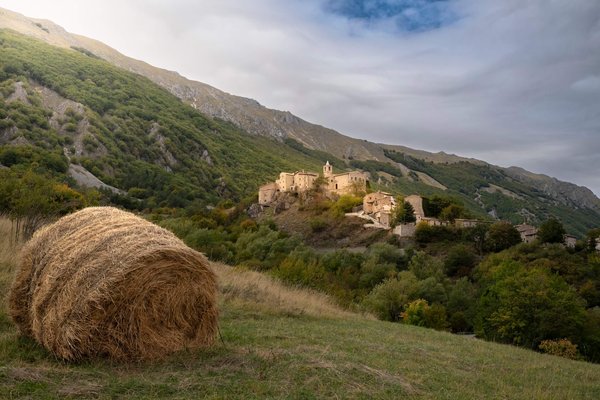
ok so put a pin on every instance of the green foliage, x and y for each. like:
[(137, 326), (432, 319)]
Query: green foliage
[(452, 212), (425, 266), (425, 233), (318, 224), (551, 231), (388, 299), (420, 313), (525, 306), (502, 235), (31, 199), (264, 247), (560, 347), (460, 261), (345, 204), (403, 213), (590, 343), (461, 305)]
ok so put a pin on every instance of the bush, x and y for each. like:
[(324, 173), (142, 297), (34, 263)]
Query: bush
[(501, 236), (419, 313), (551, 231), (428, 234), (387, 300), (318, 225), (345, 204), (560, 347), (460, 261)]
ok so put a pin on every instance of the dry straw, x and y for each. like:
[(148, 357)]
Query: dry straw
[(106, 283)]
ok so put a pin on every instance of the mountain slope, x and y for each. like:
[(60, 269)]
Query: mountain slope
[(127, 131), (272, 134)]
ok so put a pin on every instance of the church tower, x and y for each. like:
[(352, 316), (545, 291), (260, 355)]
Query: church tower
[(327, 170)]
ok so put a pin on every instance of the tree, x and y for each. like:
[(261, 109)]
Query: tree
[(403, 213), (524, 306), (502, 235), (552, 231), (387, 300), (420, 313), (452, 212), (30, 200), (425, 266), (460, 261)]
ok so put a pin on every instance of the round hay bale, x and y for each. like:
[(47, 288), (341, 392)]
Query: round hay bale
[(105, 283)]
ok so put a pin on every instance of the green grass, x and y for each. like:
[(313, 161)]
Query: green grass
[(266, 355), (270, 349)]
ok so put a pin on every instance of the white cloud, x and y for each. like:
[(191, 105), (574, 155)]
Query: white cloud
[(506, 82)]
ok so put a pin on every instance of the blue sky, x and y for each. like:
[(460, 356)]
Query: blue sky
[(405, 15), (512, 82)]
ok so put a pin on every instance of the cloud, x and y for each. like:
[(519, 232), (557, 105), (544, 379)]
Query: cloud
[(512, 82)]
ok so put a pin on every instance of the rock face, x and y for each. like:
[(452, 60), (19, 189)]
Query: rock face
[(85, 178), (566, 193)]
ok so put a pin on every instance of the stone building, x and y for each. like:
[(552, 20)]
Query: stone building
[(528, 233), (416, 202), (570, 240), (344, 183), (267, 193), (301, 181), (378, 201)]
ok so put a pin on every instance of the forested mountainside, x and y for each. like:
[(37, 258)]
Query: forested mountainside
[(67, 109), (255, 119)]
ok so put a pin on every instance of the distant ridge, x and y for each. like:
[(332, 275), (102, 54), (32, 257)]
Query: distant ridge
[(482, 186)]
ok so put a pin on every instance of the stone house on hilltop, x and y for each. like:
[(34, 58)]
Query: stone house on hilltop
[(301, 181), (528, 233), (379, 206)]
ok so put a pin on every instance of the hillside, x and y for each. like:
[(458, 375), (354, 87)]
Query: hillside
[(136, 138), (287, 343), (131, 134)]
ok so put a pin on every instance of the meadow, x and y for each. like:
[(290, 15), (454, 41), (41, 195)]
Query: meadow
[(282, 342)]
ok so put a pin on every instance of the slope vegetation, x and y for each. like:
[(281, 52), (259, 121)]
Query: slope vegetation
[(287, 343), (256, 119), (124, 133)]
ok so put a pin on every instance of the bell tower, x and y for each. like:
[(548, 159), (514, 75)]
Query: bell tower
[(327, 170)]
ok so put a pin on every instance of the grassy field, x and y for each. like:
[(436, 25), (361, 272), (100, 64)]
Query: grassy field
[(293, 344)]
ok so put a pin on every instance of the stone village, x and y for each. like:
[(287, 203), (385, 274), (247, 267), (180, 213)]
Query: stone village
[(377, 207)]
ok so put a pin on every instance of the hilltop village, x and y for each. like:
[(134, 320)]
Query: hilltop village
[(377, 207)]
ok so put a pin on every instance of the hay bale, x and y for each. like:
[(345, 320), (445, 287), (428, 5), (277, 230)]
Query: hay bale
[(105, 283)]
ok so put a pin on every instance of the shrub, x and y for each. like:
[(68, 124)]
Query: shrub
[(460, 261), (551, 231), (501, 236), (560, 347), (420, 313), (388, 299), (345, 204), (425, 266), (318, 224), (415, 313)]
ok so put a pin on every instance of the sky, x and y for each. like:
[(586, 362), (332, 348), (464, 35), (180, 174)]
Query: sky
[(511, 82)]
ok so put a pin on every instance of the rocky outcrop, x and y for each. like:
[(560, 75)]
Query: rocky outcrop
[(565, 193), (85, 178)]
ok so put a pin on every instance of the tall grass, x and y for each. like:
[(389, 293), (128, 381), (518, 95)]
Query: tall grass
[(265, 294), (9, 248)]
